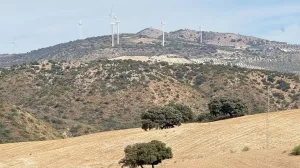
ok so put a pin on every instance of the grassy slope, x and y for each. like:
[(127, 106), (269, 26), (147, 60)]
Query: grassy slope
[(17, 125), (217, 144)]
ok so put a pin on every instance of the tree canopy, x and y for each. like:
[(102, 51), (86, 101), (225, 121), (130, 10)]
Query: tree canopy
[(166, 117), (141, 154), (160, 118), (227, 106), (186, 112)]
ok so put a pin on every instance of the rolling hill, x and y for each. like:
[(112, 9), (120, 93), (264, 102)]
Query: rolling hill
[(80, 99), (207, 145), (218, 48), (16, 125)]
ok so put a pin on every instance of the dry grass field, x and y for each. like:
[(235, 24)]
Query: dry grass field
[(217, 144)]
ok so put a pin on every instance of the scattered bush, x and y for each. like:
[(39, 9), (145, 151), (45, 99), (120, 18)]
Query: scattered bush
[(245, 149), (279, 95), (283, 85), (199, 80), (151, 153), (296, 150), (271, 79)]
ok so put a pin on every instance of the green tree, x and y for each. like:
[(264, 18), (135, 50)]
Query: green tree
[(223, 106), (160, 117), (186, 112), (141, 154)]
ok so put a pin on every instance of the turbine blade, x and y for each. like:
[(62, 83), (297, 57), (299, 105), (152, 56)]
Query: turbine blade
[(111, 10)]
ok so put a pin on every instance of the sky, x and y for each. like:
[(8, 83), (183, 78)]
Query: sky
[(37, 24)]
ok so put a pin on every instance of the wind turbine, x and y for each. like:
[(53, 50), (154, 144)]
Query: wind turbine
[(14, 45), (112, 24), (80, 29), (163, 31), (118, 29), (201, 34)]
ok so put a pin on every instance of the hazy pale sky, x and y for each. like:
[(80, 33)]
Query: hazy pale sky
[(42, 23)]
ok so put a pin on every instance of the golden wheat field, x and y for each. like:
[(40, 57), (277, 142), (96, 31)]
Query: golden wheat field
[(197, 145)]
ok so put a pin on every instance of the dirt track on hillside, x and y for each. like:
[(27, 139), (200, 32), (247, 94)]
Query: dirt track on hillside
[(211, 145)]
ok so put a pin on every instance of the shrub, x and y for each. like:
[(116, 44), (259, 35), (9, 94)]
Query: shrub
[(271, 79), (34, 63), (223, 106), (279, 95), (151, 153), (283, 85), (296, 150), (199, 80), (245, 149)]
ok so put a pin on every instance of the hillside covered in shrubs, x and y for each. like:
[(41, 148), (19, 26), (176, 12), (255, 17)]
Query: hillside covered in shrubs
[(110, 95)]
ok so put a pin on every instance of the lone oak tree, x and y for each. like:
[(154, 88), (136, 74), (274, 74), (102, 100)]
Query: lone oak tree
[(141, 154), (160, 118)]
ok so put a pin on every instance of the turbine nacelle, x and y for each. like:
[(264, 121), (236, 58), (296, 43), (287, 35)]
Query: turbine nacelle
[(112, 15)]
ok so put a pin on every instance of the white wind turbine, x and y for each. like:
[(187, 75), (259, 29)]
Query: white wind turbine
[(163, 31), (112, 24), (201, 34), (117, 22), (80, 29), (14, 45)]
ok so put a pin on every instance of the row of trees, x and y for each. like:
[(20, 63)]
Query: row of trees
[(173, 115)]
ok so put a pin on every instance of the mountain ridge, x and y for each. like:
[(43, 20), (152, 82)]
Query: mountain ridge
[(227, 48)]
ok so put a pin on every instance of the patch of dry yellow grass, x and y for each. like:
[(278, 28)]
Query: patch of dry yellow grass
[(217, 144)]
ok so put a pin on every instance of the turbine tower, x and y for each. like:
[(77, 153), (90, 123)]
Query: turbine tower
[(14, 45), (117, 22), (112, 34), (201, 34), (163, 31), (80, 29)]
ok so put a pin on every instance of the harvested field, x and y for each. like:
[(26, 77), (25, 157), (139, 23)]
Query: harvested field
[(211, 145)]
